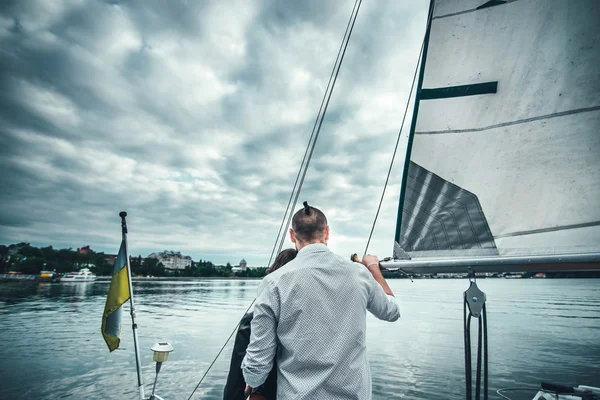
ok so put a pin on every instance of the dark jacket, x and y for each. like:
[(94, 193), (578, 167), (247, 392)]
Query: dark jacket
[(234, 388)]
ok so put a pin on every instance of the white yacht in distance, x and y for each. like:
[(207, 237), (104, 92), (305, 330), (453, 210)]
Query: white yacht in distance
[(84, 275)]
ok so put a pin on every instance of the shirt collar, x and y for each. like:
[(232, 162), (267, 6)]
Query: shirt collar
[(313, 248)]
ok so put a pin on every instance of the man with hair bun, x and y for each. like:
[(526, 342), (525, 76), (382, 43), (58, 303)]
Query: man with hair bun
[(311, 318)]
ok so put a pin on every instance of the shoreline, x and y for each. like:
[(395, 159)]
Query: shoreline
[(177, 278), (35, 278), (5, 278)]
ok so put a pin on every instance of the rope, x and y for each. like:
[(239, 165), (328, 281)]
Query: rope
[(482, 339), (281, 231), (220, 351), (478, 374), (396, 147), (468, 372), (332, 80), (359, 2), (485, 354)]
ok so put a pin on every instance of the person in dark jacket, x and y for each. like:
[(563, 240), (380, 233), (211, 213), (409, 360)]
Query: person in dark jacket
[(234, 388)]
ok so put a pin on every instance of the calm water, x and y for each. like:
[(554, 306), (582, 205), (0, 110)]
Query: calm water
[(52, 347)]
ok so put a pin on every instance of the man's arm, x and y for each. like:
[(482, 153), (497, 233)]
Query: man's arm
[(381, 298), (260, 354)]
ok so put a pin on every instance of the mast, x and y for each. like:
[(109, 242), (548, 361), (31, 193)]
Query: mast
[(413, 123), (138, 364)]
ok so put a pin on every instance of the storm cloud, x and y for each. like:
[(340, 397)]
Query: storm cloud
[(194, 117)]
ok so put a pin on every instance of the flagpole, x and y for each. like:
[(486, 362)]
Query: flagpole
[(123, 214)]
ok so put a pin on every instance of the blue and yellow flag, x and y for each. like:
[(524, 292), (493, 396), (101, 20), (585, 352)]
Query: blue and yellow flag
[(118, 294)]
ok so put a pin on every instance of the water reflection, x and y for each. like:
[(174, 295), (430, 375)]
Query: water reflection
[(539, 330), (76, 289)]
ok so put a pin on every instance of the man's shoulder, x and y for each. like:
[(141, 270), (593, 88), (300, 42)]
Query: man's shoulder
[(276, 275), (300, 265)]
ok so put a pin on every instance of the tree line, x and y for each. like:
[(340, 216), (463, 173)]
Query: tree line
[(26, 259)]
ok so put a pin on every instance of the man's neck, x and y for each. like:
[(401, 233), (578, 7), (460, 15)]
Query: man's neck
[(300, 245)]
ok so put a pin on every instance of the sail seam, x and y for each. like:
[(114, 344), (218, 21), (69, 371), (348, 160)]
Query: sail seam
[(470, 11), (552, 229), (516, 122)]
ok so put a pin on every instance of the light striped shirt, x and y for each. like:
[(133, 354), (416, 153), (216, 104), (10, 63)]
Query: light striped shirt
[(311, 316)]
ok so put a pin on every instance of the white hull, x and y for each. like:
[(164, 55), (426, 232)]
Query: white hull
[(580, 393), (78, 280), (85, 275)]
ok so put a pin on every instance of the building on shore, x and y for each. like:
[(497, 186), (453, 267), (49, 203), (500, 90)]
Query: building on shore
[(240, 268), (172, 260), (85, 250)]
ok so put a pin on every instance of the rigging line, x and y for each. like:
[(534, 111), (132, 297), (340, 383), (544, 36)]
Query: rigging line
[(322, 118), (469, 383), (396, 148), (485, 353), (349, 31), (220, 351), (280, 232), (467, 344), (478, 372)]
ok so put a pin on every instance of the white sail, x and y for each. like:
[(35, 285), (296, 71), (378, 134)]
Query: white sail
[(528, 145)]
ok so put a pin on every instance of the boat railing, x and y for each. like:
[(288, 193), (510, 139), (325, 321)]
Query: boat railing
[(499, 264)]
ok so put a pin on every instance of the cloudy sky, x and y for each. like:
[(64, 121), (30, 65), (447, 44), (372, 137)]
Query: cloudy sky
[(193, 116)]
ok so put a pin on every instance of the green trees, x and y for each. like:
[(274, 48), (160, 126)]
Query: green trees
[(223, 271), (31, 265), (202, 269), (136, 265), (3, 259), (101, 266), (252, 273), (152, 267), (30, 252), (28, 259)]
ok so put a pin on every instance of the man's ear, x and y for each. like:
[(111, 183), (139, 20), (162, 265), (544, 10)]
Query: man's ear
[(326, 237), (292, 235)]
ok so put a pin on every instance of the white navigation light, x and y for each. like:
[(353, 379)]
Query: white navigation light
[(161, 351), (161, 354)]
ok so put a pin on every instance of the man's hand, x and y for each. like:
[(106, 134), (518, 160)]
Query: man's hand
[(252, 396), (371, 262)]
